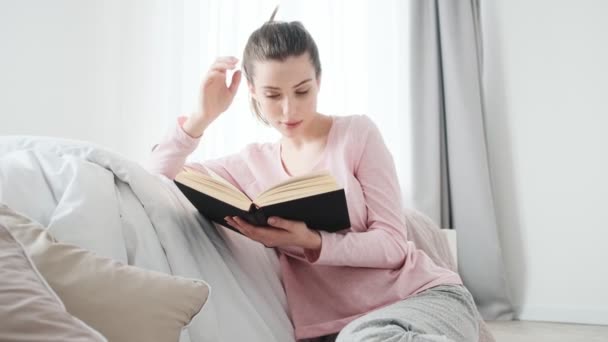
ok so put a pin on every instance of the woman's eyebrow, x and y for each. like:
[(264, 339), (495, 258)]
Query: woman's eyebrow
[(297, 85)]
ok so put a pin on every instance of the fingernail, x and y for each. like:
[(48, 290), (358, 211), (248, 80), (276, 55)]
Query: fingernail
[(272, 220)]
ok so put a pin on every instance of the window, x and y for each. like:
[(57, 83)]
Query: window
[(363, 47)]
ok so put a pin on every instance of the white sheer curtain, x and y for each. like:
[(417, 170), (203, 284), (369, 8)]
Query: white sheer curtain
[(364, 56)]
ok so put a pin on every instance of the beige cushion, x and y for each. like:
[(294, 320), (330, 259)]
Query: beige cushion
[(428, 237), (122, 302), (435, 242), (29, 309)]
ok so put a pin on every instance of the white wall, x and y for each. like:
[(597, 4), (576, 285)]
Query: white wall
[(547, 74), (66, 71)]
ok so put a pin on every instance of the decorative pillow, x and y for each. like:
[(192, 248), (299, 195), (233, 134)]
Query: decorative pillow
[(29, 309), (124, 303)]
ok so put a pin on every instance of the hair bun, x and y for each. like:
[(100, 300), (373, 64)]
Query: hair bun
[(273, 14)]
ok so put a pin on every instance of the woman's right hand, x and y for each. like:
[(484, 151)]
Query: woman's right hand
[(215, 95)]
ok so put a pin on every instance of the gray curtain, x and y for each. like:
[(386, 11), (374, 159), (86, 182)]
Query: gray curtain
[(452, 180)]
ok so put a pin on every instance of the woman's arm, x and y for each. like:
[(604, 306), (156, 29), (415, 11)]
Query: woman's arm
[(384, 243), (169, 156)]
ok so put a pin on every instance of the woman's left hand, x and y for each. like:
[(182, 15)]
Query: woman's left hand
[(281, 232)]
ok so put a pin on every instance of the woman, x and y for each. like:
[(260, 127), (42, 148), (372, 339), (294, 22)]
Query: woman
[(366, 283)]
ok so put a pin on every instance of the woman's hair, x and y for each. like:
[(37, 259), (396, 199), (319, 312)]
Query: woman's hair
[(277, 40)]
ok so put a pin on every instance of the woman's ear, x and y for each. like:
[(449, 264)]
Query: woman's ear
[(319, 82)]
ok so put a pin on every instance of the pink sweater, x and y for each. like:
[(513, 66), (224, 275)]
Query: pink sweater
[(360, 269)]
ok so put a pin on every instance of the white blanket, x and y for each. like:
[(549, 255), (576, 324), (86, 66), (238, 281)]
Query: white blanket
[(103, 202)]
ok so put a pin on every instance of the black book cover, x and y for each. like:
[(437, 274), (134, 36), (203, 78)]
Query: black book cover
[(327, 211)]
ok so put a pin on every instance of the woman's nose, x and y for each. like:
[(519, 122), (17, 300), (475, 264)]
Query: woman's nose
[(287, 106)]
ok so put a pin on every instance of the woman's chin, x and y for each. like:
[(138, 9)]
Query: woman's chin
[(290, 130)]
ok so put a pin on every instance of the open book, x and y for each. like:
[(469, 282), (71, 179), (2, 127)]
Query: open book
[(315, 199)]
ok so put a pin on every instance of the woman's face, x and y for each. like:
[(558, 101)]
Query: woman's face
[(287, 93)]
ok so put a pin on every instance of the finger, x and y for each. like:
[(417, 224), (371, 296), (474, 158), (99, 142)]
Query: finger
[(214, 75), (255, 232), (244, 224), (230, 221), (236, 80), (260, 235), (226, 59), (222, 67), (217, 78), (282, 223), (235, 224)]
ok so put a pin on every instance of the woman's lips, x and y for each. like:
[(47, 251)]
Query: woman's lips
[(292, 125)]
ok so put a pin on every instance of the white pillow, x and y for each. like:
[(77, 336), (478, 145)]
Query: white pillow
[(124, 303), (29, 309)]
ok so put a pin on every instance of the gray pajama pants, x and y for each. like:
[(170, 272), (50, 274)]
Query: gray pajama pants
[(445, 313)]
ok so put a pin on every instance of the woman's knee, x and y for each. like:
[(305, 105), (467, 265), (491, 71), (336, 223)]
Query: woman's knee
[(380, 329), (386, 329), (386, 333)]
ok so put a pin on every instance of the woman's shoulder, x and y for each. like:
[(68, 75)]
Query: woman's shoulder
[(358, 124)]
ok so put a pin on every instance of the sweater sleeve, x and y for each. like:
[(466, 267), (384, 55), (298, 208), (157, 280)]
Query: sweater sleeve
[(169, 155), (384, 243)]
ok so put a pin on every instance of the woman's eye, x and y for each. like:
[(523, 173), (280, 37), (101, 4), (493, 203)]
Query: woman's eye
[(302, 92), (272, 96)]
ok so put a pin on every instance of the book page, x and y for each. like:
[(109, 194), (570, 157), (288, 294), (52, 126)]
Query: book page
[(299, 179), (220, 179), (298, 187), (214, 186)]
